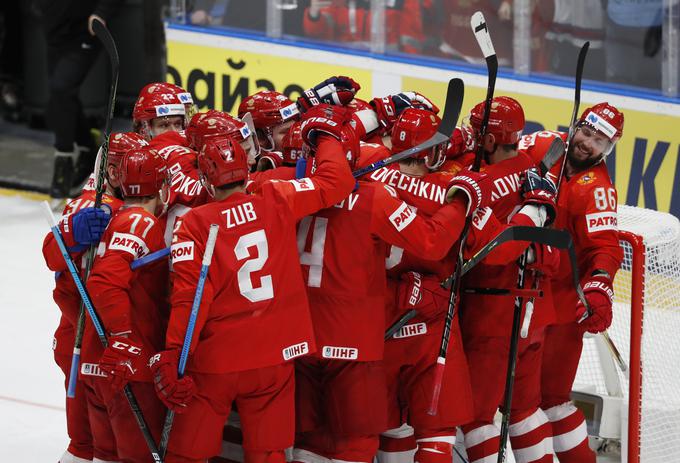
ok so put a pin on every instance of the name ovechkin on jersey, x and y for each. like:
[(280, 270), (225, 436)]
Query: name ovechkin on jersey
[(414, 185)]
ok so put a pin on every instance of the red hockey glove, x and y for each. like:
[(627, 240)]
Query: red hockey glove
[(324, 118), (476, 186), (338, 90), (174, 392), (600, 296), (423, 293), (389, 108), (120, 360), (544, 259), (463, 140), (269, 160), (539, 191)]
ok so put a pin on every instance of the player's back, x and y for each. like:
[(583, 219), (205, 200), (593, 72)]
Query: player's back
[(258, 315), (343, 265)]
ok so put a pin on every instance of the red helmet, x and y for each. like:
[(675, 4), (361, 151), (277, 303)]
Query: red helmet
[(268, 109), (293, 145), (414, 126), (604, 118), (142, 172), (506, 119), (122, 142), (213, 124), (221, 161), (153, 103)]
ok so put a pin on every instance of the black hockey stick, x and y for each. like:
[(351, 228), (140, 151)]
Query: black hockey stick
[(452, 107), (107, 41), (104, 36), (580, 64), (555, 151), (481, 31)]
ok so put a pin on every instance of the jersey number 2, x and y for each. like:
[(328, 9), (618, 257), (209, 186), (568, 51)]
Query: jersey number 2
[(258, 240)]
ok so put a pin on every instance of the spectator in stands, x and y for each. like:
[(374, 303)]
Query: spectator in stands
[(231, 13), (71, 51), (349, 22), (633, 42)]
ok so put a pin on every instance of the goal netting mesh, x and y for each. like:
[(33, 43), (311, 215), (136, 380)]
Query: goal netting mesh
[(658, 396)]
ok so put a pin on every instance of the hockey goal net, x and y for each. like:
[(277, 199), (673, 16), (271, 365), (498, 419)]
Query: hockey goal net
[(640, 406)]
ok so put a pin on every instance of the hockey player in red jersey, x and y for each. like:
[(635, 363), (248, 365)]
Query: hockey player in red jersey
[(341, 389), (525, 198), (587, 210), (409, 355), (81, 226), (156, 113), (132, 306), (255, 317), (273, 115)]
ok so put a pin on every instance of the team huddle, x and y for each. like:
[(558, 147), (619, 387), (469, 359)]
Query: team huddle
[(311, 266)]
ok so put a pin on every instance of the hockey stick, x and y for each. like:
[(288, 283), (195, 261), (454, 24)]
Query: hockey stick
[(205, 265), (452, 107), (150, 258), (580, 64), (481, 31), (107, 41), (99, 327), (555, 150)]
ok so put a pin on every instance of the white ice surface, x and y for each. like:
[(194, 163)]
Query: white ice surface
[(32, 417)]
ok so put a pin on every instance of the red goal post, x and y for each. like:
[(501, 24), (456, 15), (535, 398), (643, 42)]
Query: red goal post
[(640, 407)]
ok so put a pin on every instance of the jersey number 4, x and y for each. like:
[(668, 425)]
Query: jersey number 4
[(257, 240), (313, 258)]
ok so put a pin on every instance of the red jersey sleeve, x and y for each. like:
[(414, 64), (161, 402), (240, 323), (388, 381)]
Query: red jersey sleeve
[(188, 247), (592, 205), (132, 233), (395, 222), (257, 179), (332, 181)]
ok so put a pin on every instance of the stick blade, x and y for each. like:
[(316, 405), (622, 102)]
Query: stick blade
[(555, 152), (104, 36), (481, 31), (455, 94)]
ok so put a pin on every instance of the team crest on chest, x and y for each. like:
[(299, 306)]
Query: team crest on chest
[(587, 178)]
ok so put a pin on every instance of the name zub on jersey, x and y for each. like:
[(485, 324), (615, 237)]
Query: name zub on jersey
[(239, 214)]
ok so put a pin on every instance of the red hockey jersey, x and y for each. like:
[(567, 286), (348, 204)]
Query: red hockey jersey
[(490, 315), (586, 208), (255, 311), (65, 293), (342, 252), (126, 300)]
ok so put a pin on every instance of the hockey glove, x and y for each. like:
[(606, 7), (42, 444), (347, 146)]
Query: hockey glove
[(543, 259), (174, 392), (422, 293), (269, 160), (390, 107), (539, 191), (600, 296), (85, 227), (326, 119), (120, 361), (476, 186), (338, 90), (463, 140)]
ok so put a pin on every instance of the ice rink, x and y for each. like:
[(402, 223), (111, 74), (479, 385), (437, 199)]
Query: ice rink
[(32, 416)]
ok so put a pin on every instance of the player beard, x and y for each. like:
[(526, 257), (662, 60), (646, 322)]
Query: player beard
[(581, 159)]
